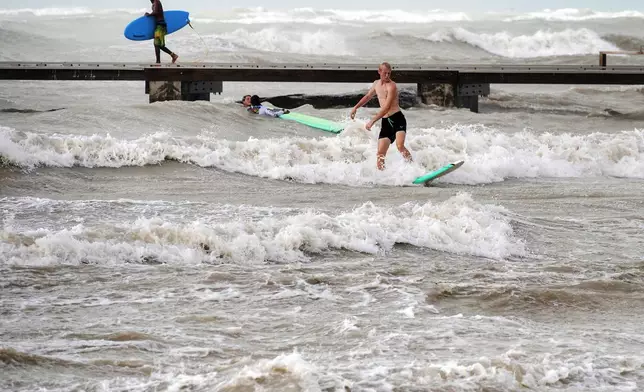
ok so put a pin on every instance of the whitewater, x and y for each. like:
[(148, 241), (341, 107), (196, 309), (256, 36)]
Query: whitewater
[(193, 246)]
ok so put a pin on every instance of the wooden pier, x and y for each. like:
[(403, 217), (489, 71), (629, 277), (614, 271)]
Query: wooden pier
[(460, 85)]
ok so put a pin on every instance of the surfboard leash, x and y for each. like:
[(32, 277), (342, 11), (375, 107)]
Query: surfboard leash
[(202, 41)]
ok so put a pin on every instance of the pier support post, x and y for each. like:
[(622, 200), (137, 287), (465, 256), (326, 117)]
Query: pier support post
[(470, 102), (182, 91), (449, 95), (163, 91), (440, 94), (467, 95)]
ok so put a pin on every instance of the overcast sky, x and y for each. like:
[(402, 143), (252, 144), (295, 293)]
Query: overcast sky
[(462, 5)]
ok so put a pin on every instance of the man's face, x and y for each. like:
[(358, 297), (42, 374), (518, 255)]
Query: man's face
[(246, 101), (384, 72)]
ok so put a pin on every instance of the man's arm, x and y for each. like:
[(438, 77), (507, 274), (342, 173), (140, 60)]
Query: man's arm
[(392, 91), (155, 9), (367, 97)]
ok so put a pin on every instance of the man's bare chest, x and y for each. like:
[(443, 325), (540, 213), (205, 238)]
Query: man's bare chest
[(381, 92)]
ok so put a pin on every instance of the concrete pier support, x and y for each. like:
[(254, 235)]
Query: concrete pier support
[(468, 95), (449, 95), (439, 94), (470, 102), (182, 91), (163, 91)]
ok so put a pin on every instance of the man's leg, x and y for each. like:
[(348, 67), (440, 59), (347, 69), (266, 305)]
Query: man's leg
[(383, 146), (168, 51), (400, 144), (159, 41), (159, 44), (157, 52)]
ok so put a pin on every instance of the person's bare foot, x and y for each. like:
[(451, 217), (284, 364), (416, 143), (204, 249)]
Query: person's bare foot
[(380, 162), (174, 58)]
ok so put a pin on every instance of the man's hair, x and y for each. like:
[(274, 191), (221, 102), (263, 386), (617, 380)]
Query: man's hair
[(244, 98), (385, 64)]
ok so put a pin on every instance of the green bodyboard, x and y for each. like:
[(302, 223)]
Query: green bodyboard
[(438, 173), (314, 122)]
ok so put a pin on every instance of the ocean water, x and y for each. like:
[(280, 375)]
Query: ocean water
[(190, 246)]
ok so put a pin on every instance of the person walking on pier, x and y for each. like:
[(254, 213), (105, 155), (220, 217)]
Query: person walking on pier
[(393, 127), (160, 31)]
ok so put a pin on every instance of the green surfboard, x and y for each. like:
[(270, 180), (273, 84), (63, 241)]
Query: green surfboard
[(314, 122), (429, 177)]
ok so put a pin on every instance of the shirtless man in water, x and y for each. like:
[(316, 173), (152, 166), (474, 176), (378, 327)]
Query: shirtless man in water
[(394, 125)]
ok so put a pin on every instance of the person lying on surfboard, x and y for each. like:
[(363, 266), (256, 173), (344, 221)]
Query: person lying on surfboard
[(393, 127), (160, 31), (252, 104)]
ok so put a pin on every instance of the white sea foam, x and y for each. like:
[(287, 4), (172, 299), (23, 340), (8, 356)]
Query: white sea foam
[(458, 225), (280, 373), (515, 370), (47, 11), (336, 16), (65, 12), (574, 14), (267, 15), (281, 40), (543, 43), (490, 155)]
